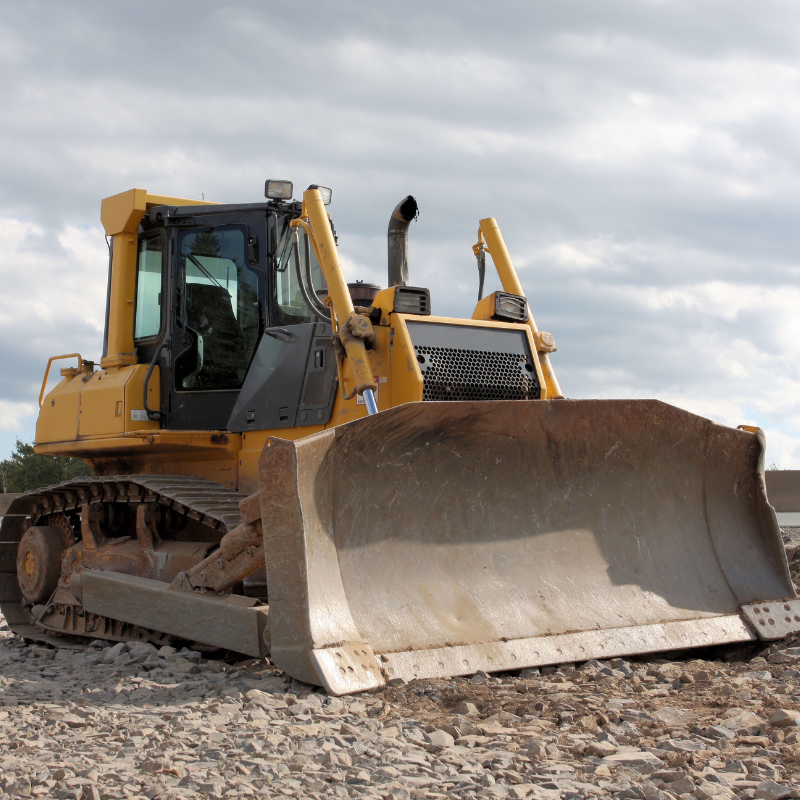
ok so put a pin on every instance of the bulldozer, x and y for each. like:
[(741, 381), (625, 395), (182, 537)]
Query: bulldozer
[(322, 473)]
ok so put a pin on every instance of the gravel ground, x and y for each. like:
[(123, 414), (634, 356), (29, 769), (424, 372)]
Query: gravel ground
[(131, 722)]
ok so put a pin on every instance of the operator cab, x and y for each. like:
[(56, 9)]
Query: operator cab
[(230, 302)]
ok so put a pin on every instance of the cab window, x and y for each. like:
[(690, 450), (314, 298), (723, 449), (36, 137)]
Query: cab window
[(296, 254), (147, 321), (221, 309)]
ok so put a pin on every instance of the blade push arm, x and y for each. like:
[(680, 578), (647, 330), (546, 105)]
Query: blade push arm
[(354, 329), (489, 231)]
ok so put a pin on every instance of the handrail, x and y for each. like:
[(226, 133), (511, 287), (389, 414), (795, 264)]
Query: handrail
[(47, 371), (152, 414)]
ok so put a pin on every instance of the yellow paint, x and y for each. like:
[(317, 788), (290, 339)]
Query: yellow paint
[(384, 300), (134, 397), (322, 235), (58, 416), (485, 308), (86, 404), (496, 246), (89, 414), (98, 398), (203, 454), (121, 215), (63, 373), (405, 380)]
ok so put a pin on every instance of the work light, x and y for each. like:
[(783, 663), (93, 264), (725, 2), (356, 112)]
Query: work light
[(278, 190)]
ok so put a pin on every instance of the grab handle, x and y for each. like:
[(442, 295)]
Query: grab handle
[(47, 371)]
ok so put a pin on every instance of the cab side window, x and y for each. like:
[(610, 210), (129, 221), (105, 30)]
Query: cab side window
[(148, 288), (296, 261)]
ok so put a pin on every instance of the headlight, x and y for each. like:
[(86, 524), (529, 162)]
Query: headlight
[(278, 190), (511, 307), (324, 191)]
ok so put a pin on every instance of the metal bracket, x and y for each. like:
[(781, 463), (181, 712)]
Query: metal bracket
[(774, 619), (148, 515), (92, 517)]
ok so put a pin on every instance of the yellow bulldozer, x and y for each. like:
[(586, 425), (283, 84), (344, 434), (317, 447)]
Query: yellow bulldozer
[(287, 465)]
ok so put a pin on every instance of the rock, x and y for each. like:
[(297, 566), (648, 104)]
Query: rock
[(719, 732), (682, 746), (151, 766), (142, 651), (744, 723), (183, 665), (769, 790), (553, 752), (536, 750), (674, 716), (522, 790), (635, 715), (600, 749), (788, 656), (439, 739), (467, 709), (112, 652), (785, 718), (709, 790), (465, 727), (19, 788), (634, 758), (683, 785), (669, 775)]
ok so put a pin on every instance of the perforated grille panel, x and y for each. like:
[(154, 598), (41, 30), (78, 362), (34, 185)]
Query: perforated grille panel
[(472, 362), (455, 374)]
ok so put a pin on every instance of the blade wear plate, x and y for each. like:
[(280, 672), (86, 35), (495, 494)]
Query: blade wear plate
[(435, 526)]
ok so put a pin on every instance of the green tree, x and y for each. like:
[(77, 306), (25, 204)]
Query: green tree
[(206, 243), (27, 470)]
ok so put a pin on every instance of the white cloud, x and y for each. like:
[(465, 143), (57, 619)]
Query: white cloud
[(12, 415)]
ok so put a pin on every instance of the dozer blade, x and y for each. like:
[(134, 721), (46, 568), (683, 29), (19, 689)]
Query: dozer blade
[(437, 539)]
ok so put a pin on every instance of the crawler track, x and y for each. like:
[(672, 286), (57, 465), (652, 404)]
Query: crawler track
[(208, 507)]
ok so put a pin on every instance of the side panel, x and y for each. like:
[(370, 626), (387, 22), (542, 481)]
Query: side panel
[(102, 403), (58, 416), (134, 398), (270, 396)]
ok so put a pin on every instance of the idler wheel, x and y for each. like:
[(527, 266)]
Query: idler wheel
[(39, 561)]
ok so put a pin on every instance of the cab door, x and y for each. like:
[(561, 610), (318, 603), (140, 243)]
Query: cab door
[(219, 312)]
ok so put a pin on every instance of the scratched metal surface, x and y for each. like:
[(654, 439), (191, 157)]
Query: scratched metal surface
[(442, 524)]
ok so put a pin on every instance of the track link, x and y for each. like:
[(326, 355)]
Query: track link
[(210, 504)]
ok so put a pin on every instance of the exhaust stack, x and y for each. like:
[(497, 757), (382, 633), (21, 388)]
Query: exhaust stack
[(405, 211)]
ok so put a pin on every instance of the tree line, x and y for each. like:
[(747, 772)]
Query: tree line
[(26, 470)]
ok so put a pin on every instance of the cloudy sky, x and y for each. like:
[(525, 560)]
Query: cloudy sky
[(642, 158)]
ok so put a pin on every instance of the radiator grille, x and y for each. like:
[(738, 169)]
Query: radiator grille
[(459, 374)]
